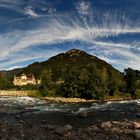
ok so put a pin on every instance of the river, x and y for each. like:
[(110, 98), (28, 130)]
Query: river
[(28, 106), (18, 104), (35, 119)]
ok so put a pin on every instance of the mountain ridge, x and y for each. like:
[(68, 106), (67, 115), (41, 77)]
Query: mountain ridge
[(71, 58)]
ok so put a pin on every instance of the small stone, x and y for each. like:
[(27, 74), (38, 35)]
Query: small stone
[(83, 114), (22, 135), (68, 127), (67, 135), (115, 122), (18, 125), (60, 131), (106, 125), (43, 121), (17, 116), (136, 125), (115, 130), (137, 133), (125, 120), (122, 113), (49, 127), (95, 129), (20, 121), (3, 130)]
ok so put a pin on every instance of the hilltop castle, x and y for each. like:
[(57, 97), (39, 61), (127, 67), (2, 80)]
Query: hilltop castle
[(25, 80)]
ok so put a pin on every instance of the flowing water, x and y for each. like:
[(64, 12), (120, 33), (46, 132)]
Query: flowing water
[(33, 109), (18, 104)]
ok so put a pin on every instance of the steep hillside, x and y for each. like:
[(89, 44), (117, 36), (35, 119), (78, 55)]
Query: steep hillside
[(71, 59)]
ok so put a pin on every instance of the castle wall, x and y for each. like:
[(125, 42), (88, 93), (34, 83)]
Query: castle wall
[(24, 80)]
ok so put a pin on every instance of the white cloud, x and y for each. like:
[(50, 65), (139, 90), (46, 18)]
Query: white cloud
[(13, 67), (14, 5), (30, 12), (16, 60), (7, 3), (63, 29), (84, 7), (126, 58)]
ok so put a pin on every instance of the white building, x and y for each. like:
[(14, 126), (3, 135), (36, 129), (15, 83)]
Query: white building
[(24, 80)]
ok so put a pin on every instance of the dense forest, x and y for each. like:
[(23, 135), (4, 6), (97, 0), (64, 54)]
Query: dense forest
[(77, 74)]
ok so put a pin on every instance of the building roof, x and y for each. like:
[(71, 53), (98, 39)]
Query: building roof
[(23, 74)]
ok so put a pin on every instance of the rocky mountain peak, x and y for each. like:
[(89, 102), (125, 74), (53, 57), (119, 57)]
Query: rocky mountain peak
[(74, 52)]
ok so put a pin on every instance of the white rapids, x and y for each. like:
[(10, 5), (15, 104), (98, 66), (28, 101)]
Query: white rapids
[(16, 104)]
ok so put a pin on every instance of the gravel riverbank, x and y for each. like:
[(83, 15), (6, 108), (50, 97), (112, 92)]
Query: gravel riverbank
[(23, 129), (79, 100)]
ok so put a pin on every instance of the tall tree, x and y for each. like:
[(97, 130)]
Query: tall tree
[(130, 78), (46, 82)]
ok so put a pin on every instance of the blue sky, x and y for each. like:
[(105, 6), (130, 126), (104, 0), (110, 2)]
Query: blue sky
[(35, 30)]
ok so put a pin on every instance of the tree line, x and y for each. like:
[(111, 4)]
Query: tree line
[(85, 82), (89, 83)]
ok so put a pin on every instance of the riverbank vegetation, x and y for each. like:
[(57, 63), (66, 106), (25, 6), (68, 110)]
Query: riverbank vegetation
[(90, 83)]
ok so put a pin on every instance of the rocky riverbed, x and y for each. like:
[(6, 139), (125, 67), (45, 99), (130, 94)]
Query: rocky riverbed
[(32, 119), (108, 130)]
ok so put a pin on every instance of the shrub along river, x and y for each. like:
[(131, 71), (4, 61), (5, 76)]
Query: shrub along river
[(34, 114)]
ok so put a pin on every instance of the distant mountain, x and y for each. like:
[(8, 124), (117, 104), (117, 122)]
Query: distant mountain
[(71, 59)]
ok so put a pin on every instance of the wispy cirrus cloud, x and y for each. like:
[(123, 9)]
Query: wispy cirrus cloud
[(14, 5), (58, 31), (23, 58), (64, 27)]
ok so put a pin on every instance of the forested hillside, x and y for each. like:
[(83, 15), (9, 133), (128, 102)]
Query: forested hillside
[(78, 74)]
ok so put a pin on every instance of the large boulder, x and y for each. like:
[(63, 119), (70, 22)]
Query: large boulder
[(63, 130), (48, 127), (83, 114), (136, 125)]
